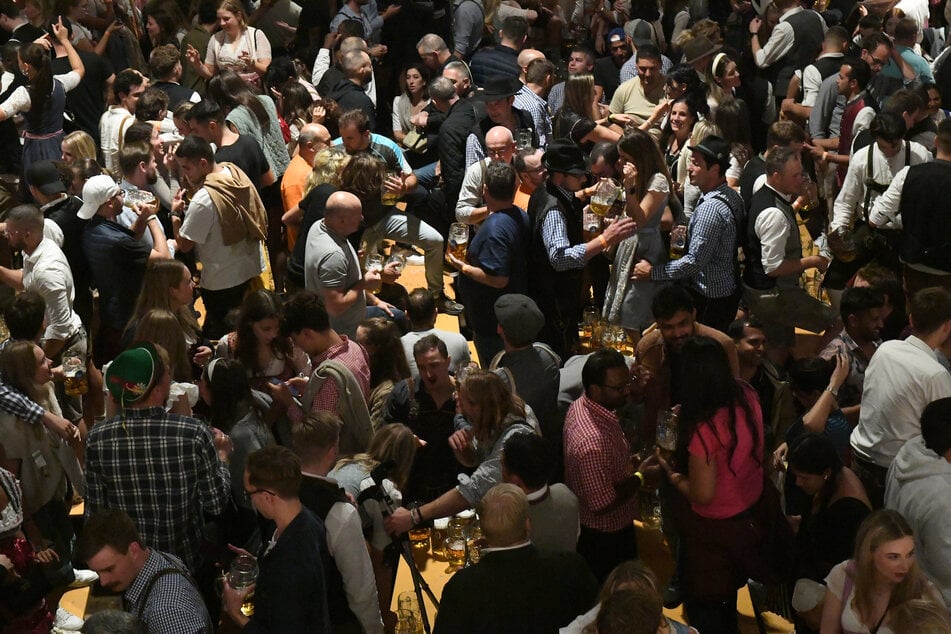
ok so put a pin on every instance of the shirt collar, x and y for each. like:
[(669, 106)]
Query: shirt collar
[(152, 564), (53, 203), (599, 410), (790, 14), (499, 549), (332, 351), (38, 251), (537, 496)]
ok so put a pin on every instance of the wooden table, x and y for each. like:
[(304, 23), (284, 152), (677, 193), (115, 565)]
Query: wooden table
[(653, 550)]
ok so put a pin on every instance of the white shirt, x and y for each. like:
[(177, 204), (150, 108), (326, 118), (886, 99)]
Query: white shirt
[(885, 208), (901, 379), (470, 196), (346, 545), (222, 266), (19, 100), (812, 80), (851, 197), (772, 229), (46, 271), (780, 41), (112, 127)]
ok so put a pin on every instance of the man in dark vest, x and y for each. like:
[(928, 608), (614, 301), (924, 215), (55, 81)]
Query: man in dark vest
[(794, 44), (917, 198), (558, 251), (351, 589), (774, 259), (854, 75)]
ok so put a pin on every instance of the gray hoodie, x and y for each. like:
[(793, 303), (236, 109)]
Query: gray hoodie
[(919, 487)]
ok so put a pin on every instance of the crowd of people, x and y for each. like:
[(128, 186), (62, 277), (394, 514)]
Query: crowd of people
[(699, 249)]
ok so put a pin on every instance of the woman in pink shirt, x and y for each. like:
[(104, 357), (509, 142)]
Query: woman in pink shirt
[(718, 473)]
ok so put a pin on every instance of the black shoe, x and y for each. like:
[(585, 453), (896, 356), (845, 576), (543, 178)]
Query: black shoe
[(449, 307)]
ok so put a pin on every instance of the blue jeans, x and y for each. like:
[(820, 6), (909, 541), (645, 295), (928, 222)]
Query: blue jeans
[(399, 317)]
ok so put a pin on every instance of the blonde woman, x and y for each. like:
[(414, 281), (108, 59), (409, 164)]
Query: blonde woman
[(78, 145), (236, 46), (323, 181), (862, 592), (579, 119)]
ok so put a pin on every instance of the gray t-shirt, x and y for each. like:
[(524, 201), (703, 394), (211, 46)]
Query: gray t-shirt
[(331, 263)]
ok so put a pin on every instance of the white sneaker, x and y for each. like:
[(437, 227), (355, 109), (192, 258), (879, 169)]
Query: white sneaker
[(415, 260), (66, 621), (83, 578)]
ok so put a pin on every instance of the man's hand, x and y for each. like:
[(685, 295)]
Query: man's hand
[(378, 51), (390, 272), (622, 119), (755, 25), (420, 119), (394, 184), (619, 230), (280, 394), (642, 270), (331, 39), (398, 522), (391, 10), (652, 471), (231, 600), (202, 356), (453, 261), (815, 262), (372, 280)]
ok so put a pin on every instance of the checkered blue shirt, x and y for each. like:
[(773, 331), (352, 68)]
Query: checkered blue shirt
[(527, 100), (711, 247), (173, 604)]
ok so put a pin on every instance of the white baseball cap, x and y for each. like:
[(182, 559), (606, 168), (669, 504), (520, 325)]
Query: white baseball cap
[(96, 191)]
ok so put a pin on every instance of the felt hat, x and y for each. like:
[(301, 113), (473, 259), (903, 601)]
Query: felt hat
[(132, 373), (566, 157), (519, 317), (699, 47)]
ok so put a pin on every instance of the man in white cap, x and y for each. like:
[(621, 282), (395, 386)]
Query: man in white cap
[(116, 257)]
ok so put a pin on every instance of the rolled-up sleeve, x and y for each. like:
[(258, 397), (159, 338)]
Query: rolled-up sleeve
[(561, 253), (489, 471)]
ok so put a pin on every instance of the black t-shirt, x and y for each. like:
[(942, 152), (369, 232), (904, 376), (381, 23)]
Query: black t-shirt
[(246, 154), (570, 125), (608, 76), (177, 94), (85, 102)]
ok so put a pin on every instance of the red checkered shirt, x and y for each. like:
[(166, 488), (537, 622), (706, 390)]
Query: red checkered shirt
[(354, 357), (597, 457)]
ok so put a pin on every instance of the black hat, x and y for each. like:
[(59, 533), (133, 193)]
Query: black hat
[(519, 317), (500, 87), (566, 157), (45, 177), (714, 149)]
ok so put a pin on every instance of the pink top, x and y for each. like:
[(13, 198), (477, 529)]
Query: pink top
[(739, 488)]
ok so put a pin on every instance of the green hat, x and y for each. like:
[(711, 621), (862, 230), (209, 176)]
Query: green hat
[(132, 373)]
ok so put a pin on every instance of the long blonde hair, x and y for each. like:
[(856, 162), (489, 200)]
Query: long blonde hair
[(394, 442), (160, 277), (579, 95), (878, 529), (160, 326), (496, 401)]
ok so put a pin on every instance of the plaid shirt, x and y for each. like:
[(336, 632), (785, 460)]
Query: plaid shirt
[(12, 402), (563, 255), (173, 604), (527, 100), (163, 470), (711, 247), (597, 457), (354, 357), (851, 391)]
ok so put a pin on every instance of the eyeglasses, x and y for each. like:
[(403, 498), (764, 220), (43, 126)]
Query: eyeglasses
[(249, 494), (618, 388), (874, 61)]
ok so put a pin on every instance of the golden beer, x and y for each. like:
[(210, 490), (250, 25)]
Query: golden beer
[(247, 607), (389, 198), (438, 537), (458, 249), (600, 206), (419, 538), (74, 370), (456, 552)]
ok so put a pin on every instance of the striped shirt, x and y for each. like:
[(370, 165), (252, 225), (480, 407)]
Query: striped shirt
[(527, 100)]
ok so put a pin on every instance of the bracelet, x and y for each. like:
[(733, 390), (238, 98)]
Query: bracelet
[(610, 121), (640, 477), (151, 218), (604, 243)]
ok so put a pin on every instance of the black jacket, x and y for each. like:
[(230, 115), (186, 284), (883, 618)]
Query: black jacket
[(349, 96)]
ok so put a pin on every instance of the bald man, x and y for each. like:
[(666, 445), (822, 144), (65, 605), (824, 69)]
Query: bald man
[(525, 58), (331, 267), (312, 139), (500, 147)]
